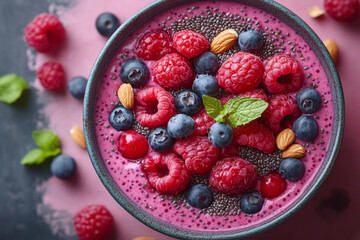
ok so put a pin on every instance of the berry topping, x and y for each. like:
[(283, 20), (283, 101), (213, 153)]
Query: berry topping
[(292, 169), (272, 185), (188, 102), (166, 172), (251, 202), (160, 140), (206, 63), (305, 128), (220, 135), (45, 33), (199, 196), (94, 222), (250, 40), (63, 166), (308, 100), (135, 72), (190, 44), (205, 85), (258, 93), (283, 74), (77, 87), (106, 24), (51, 76), (342, 10), (132, 145), (241, 72), (233, 176), (202, 122), (229, 151), (181, 126), (121, 118)]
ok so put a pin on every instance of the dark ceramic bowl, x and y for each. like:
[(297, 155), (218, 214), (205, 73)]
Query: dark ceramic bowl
[(111, 48)]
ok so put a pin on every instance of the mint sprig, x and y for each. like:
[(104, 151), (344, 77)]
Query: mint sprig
[(11, 88)]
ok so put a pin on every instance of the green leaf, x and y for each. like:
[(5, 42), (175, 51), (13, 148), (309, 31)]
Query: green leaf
[(46, 140), (38, 156), (212, 105), (11, 88)]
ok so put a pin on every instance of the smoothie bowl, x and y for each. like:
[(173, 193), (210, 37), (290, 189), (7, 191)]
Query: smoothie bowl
[(213, 120)]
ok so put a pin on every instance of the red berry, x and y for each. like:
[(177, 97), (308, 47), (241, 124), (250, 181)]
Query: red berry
[(52, 76), (229, 151), (45, 33), (190, 44), (272, 185), (258, 93), (342, 10), (94, 222), (202, 122), (132, 145)]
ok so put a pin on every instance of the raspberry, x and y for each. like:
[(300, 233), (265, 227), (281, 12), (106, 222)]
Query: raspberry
[(154, 107), (202, 122), (241, 72), (258, 93), (233, 176), (94, 222), (255, 135), (342, 10), (190, 44), (173, 71), (154, 45), (45, 33), (52, 76), (198, 152), (272, 185), (166, 172), (283, 74)]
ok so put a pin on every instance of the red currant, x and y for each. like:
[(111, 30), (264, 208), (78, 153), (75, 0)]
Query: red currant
[(132, 145), (272, 185)]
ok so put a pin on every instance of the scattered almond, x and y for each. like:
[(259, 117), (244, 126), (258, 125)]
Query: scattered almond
[(316, 12), (126, 95), (285, 138), (294, 151), (223, 41), (333, 49), (143, 238), (78, 136)]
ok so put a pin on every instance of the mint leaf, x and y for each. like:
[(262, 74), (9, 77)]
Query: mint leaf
[(46, 139), (212, 105), (38, 156), (11, 88)]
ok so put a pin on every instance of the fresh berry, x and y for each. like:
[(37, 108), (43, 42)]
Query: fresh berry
[(63, 166), (173, 71), (233, 176), (135, 72), (342, 10), (202, 122), (132, 145), (308, 100), (225, 98), (153, 45), (198, 153), (154, 107), (77, 87), (283, 74), (206, 63), (241, 72), (199, 196), (181, 126), (255, 135), (121, 118), (94, 222), (306, 128), (166, 172), (205, 85), (220, 135), (251, 202), (160, 140), (292, 169), (258, 93), (45, 33), (250, 40), (188, 102), (229, 151), (272, 185), (51, 76), (190, 44), (106, 24)]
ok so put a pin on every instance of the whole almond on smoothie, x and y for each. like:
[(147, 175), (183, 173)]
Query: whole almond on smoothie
[(126, 95), (223, 41), (285, 138)]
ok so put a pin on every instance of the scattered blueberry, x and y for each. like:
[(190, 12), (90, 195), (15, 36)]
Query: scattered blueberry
[(251, 40), (199, 196), (205, 85), (292, 169), (77, 87), (305, 128), (63, 166), (180, 126), (251, 202), (206, 63), (106, 24), (160, 140), (121, 118), (220, 135), (308, 100), (135, 72), (188, 102)]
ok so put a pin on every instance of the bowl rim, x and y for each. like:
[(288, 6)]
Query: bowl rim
[(174, 231)]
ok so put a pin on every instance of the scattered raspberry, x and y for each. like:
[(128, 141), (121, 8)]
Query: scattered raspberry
[(154, 107), (190, 44), (132, 145), (272, 185), (173, 71), (198, 152), (233, 176), (258, 93), (255, 135), (154, 45), (202, 122), (241, 72), (283, 74), (45, 33), (52, 76), (94, 222), (229, 151), (342, 10), (166, 172)]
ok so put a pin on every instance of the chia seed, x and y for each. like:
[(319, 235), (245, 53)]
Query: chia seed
[(140, 129)]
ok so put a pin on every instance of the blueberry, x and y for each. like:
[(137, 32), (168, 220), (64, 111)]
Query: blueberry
[(206, 63), (305, 128), (251, 40), (220, 135), (121, 118), (180, 126), (106, 24), (160, 140), (205, 85), (199, 196), (63, 166), (308, 100), (251, 202), (292, 169), (135, 72), (188, 102), (77, 87)]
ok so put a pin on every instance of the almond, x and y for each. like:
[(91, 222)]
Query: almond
[(223, 41), (315, 12), (78, 136), (143, 238), (333, 49), (294, 151), (126, 95), (285, 138)]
